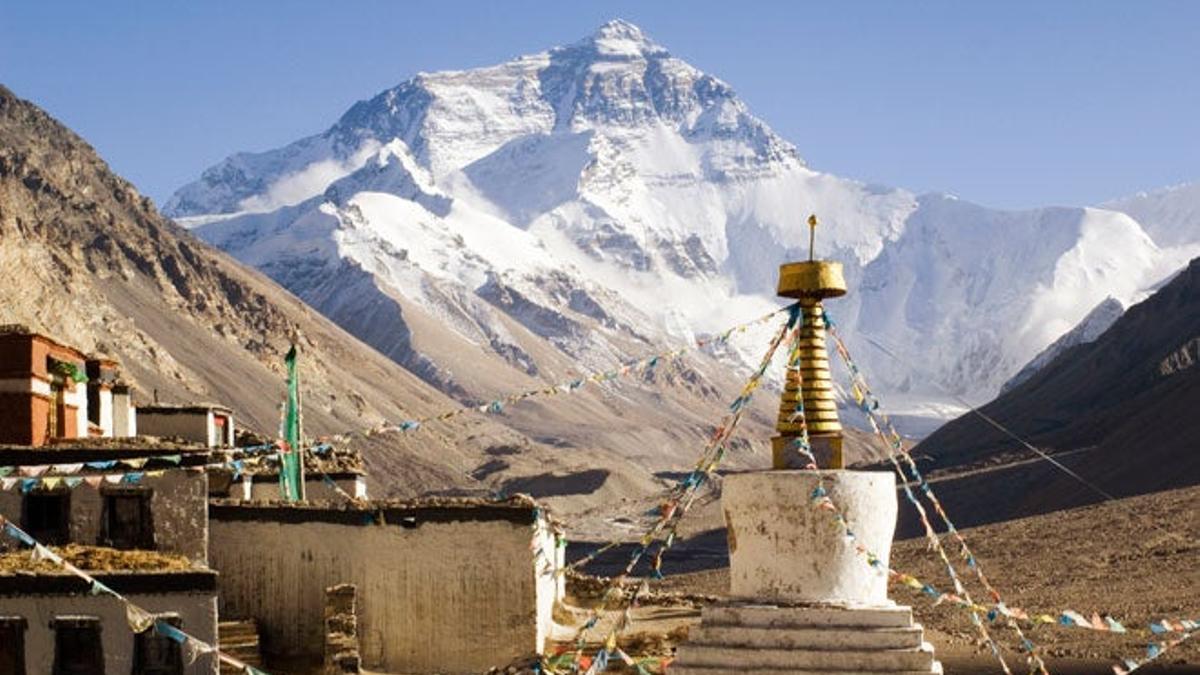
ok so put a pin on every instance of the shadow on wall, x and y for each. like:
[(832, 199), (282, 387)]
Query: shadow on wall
[(550, 485)]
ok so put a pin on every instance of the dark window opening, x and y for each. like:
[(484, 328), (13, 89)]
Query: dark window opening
[(77, 646), (156, 654), (93, 399), (12, 645), (46, 516), (128, 521)]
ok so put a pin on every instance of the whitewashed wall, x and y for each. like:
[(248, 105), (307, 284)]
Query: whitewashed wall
[(198, 612)]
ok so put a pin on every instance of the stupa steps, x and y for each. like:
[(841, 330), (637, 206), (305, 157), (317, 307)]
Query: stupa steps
[(734, 658), (807, 616), (798, 640), (814, 639), (675, 669)]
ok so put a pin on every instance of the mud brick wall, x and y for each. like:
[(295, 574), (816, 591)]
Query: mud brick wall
[(440, 589)]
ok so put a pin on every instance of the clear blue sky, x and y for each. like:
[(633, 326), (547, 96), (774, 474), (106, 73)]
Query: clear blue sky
[(1011, 104)]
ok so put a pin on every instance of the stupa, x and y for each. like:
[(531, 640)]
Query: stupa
[(804, 595)]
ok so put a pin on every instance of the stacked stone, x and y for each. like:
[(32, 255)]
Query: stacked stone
[(341, 630)]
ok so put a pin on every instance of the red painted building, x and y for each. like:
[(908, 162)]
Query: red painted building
[(46, 387)]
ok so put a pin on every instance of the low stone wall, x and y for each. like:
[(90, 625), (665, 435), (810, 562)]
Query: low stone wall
[(449, 589), (39, 599)]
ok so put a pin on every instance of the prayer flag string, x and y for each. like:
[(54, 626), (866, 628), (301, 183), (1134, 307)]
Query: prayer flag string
[(641, 366), (869, 404)]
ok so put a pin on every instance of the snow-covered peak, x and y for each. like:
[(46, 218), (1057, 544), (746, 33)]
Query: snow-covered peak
[(619, 37), (1170, 215), (1091, 327), (616, 81)]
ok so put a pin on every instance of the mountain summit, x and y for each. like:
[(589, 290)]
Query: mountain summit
[(616, 78), (594, 199), (618, 36)]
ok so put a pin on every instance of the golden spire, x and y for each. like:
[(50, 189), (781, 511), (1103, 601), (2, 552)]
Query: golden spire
[(812, 235), (810, 283)]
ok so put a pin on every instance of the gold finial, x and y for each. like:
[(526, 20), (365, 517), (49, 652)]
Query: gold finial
[(812, 235)]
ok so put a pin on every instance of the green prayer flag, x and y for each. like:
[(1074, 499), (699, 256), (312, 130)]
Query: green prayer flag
[(290, 482)]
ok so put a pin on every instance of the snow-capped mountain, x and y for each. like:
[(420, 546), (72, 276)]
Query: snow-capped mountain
[(1086, 331), (576, 207), (1170, 215)]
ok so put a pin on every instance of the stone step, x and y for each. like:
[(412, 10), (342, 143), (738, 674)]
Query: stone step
[(858, 661), (239, 639), (772, 616), (823, 638), (675, 669), (248, 641), (248, 627)]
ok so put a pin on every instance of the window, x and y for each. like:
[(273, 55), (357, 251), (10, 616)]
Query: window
[(156, 654), (77, 647), (128, 521), (224, 435), (12, 645), (93, 400), (46, 516)]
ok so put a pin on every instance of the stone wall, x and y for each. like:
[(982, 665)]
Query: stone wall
[(56, 597), (440, 589), (179, 504)]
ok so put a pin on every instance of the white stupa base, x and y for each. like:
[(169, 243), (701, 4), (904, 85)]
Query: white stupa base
[(783, 549), (797, 640), (804, 598)]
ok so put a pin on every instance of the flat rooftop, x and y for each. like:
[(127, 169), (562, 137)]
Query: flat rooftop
[(519, 509), (73, 450), (183, 408)]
